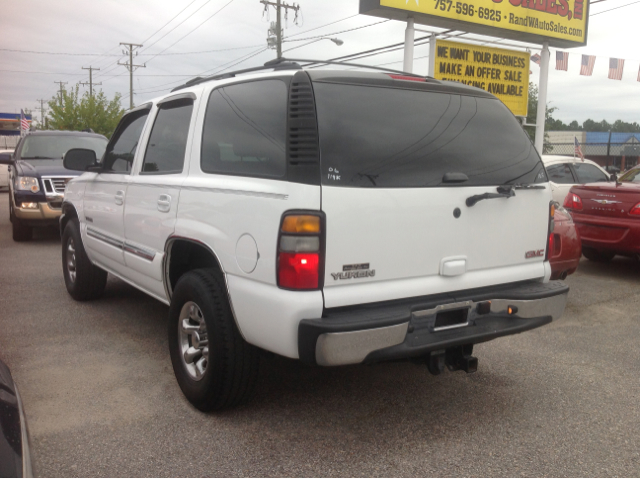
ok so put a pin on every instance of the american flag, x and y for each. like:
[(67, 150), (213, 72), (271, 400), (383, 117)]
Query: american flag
[(586, 68), (24, 123), (562, 61), (535, 59), (616, 65), (578, 150)]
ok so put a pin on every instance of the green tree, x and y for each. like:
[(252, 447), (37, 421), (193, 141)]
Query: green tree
[(532, 117), (77, 112)]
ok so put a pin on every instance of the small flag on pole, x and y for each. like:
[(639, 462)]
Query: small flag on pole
[(588, 62), (616, 65), (578, 150), (535, 59), (562, 61), (24, 123)]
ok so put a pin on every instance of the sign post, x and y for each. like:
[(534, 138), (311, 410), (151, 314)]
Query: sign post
[(542, 97)]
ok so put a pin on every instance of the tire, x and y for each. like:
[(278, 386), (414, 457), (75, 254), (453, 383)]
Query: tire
[(21, 232), (83, 280), (223, 367), (600, 256)]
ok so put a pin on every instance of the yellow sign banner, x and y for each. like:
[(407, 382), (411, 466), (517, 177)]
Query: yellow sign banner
[(566, 21), (504, 73)]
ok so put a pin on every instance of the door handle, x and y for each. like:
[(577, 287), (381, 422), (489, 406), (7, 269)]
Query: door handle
[(119, 197), (164, 203)]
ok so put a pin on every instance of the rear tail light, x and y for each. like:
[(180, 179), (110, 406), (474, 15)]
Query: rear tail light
[(300, 251), (573, 202), (551, 226), (635, 211)]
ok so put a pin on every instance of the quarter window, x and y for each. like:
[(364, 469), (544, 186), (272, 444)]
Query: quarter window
[(168, 140), (561, 174), (121, 150), (245, 129)]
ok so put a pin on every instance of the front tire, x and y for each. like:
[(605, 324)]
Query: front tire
[(214, 366), (83, 280), (600, 256)]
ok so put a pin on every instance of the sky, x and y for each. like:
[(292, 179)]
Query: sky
[(185, 38)]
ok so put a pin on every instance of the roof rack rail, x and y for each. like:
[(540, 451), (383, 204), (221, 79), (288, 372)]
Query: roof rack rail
[(289, 64), (278, 64)]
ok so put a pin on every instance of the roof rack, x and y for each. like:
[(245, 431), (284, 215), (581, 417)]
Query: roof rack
[(288, 64)]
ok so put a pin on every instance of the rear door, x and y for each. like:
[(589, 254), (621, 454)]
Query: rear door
[(398, 166)]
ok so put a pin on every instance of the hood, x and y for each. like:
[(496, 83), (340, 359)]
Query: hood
[(44, 168)]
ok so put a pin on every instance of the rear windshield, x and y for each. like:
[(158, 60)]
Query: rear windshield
[(387, 138), (54, 147)]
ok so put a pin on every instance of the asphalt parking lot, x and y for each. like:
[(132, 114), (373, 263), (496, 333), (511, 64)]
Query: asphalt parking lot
[(101, 398)]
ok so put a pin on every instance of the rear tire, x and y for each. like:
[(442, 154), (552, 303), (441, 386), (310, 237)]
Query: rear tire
[(598, 255), (83, 280), (21, 232), (214, 366)]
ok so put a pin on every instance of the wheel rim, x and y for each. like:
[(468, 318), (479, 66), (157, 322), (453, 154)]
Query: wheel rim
[(194, 342), (71, 260)]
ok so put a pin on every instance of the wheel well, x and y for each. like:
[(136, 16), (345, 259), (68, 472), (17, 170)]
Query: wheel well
[(184, 256), (69, 212)]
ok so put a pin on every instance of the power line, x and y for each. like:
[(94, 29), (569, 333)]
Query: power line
[(322, 26), (616, 8), (193, 30), (335, 33), (172, 19)]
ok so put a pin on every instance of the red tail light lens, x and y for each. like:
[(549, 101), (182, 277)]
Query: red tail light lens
[(298, 270), (635, 211), (573, 202), (300, 251)]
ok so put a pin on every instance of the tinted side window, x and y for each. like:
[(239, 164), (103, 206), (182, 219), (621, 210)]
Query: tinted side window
[(560, 174), (589, 173), (168, 140), (245, 130), (121, 149)]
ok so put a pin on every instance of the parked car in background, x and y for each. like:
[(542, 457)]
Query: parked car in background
[(607, 216), (37, 178), (15, 459), (566, 249), (565, 171), (4, 171)]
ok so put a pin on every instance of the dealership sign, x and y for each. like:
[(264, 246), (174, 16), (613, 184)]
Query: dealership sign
[(505, 73), (563, 23)]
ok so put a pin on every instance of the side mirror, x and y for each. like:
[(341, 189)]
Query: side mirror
[(614, 177), (6, 159), (79, 159)]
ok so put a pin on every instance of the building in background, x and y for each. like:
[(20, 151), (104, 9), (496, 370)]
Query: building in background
[(10, 123), (615, 150)]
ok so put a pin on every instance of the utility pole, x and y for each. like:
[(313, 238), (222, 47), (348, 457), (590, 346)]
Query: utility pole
[(131, 67), (90, 80), (41, 112), (62, 83), (277, 28)]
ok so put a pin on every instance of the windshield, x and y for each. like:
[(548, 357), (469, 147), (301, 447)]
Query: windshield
[(631, 176), (54, 147), (372, 137)]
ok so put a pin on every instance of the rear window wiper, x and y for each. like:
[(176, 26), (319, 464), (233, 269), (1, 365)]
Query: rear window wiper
[(505, 191)]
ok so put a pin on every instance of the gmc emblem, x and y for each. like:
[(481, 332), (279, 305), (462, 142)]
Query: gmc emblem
[(534, 254)]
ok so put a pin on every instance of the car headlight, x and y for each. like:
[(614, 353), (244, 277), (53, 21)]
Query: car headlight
[(27, 183)]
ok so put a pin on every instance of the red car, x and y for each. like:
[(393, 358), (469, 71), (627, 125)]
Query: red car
[(566, 249), (608, 216)]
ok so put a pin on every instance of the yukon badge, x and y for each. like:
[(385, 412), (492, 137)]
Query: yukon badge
[(534, 254), (354, 271)]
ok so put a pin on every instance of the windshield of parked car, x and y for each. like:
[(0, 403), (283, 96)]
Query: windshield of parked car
[(631, 176), (372, 137), (42, 147)]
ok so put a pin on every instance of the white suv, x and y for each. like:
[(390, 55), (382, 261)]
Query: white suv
[(337, 217)]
